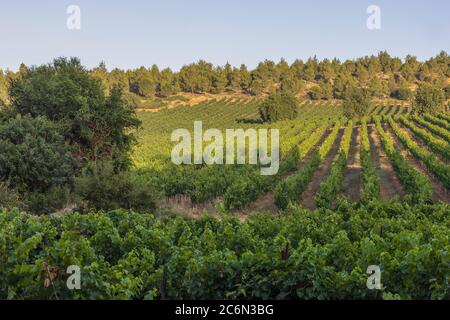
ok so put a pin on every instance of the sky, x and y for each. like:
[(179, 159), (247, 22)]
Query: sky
[(171, 33)]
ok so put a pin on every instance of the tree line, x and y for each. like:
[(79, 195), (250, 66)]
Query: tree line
[(383, 76)]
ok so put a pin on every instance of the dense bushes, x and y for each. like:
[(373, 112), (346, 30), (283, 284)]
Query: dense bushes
[(94, 125), (58, 121), (289, 190), (307, 255), (357, 102), (103, 188), (279, 106), (35, 161), (428, 99), (9, 198)]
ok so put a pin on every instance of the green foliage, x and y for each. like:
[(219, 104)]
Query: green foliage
[(332, 185), (415, 183), (429, 99), (279, 106), (438, 127), (402, 94), (435, 144), (439, 169), (303, 255), (290, 85), (289, 190), (95, 126), (356, 103), (9, 198), (370, 179), (323, 91), (104, 189), (33, 156)]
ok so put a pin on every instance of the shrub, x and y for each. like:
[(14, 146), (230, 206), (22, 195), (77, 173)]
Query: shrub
[(95, 125), (401, 94), (104, 189), (356, 102), (429, 99), (279, 106), (9, 198), (35, 160)]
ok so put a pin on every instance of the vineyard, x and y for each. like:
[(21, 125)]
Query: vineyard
[(348, 194), (389, 154)]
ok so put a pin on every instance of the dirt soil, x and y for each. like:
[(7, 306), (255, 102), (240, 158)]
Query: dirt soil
[(389, 183), (351, 185)]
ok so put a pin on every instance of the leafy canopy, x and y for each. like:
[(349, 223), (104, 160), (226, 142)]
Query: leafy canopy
[(279, 106), (429, 99), (356, 103), (95, 125)]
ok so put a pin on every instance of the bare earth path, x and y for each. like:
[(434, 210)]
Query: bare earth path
[(351, 184), (265, 203), (307, 197), (390, 184), (440, 193)]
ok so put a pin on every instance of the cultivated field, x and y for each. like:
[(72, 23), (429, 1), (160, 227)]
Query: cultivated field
[(388, 155)]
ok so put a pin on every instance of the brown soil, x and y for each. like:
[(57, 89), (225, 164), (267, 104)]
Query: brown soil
[(390, 184), (351, 184), (440, 193), (307, 197), (183, 205)]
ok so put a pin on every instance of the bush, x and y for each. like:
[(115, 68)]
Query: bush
[(33, 155), (279, 106), (356, 102), (95, 125), (447, 92), (401, 94), (35, 160), (429, 99), (101, 188), (9, 198)]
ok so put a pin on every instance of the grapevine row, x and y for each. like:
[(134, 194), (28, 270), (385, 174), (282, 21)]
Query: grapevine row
[(370, 178), (415, 183), (332, 185), (434, 143), (437, 130), (289, 190), (437, 121), (439, 169)]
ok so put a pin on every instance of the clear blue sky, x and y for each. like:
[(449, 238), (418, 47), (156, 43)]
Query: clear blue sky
[(132, 33)]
